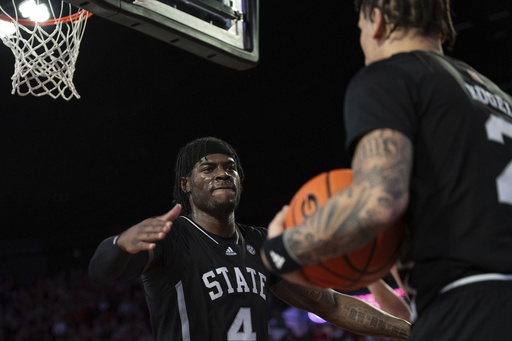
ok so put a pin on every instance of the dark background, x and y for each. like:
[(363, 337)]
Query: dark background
[(73, 173)]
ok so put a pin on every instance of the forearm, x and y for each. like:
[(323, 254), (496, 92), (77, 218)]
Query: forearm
[(376, 199), (344, 311), (362, 318), (110, 263), (347, 222)]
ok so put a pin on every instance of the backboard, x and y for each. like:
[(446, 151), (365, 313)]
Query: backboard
[(222, 31)]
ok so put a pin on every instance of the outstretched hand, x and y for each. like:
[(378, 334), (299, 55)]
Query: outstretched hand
[(142, 236)]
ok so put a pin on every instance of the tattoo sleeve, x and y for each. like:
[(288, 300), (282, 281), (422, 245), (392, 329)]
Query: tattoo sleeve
[(353, 217)]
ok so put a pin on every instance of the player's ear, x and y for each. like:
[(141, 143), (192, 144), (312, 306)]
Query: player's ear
[(442, 35), (185, 184), (379, 24)]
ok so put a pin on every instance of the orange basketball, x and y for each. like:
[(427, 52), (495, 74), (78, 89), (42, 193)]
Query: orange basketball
[(358, 268)]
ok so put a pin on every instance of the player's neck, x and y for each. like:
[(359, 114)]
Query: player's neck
[(223, 225), (400, 43)]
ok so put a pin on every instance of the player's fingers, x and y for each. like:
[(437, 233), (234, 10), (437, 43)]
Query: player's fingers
[(172, 214), (153, 225), (140, 246), (151, 236), (276, 226)]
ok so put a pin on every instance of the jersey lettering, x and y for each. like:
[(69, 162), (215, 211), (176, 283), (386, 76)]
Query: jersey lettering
[(263, 280), (214, 294), (219, 281), (224, 272), (485, 97), (240, 281), (253, 277)]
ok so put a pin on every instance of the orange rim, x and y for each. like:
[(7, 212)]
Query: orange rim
[(73, 18)]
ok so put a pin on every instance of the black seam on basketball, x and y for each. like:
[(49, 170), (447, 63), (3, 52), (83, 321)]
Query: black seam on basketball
[(368, 259), (337, 274), (376, 270), (360, 272), (388, 261)]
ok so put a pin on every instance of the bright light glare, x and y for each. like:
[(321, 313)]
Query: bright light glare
[(315, 318), (35, 12), (6, 28), (369, 298)]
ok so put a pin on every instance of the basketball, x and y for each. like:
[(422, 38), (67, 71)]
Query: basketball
[(358, 268)]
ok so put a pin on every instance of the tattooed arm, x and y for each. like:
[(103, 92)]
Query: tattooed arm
[(377, 197), (344, 311)]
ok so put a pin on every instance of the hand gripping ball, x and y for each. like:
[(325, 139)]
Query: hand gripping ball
[(358, 268)]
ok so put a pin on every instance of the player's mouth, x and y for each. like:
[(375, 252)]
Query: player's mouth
[(229, 188), (224, 186)]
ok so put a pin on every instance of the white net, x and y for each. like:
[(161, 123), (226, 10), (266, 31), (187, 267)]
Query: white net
[(45, 52)]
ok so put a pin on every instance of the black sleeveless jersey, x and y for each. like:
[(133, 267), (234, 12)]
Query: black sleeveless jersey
[(460, 123), (203, 287)]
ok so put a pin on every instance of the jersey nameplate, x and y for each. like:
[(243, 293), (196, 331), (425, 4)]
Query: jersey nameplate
[(485, 97)]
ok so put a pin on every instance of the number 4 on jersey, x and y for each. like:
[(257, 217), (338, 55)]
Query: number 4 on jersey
[(241, 328)]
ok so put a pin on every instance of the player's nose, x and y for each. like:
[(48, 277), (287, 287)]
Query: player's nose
[(222, 173)]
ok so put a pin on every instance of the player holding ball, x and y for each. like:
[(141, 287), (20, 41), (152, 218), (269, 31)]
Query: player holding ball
[(431, 140)]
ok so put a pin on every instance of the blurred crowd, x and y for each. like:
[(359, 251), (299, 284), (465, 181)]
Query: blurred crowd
[(68, 306)]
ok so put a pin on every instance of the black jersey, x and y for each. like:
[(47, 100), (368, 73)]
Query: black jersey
[(203, 287), (460, 123)]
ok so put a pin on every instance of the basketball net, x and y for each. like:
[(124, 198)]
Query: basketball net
[(45, 52)]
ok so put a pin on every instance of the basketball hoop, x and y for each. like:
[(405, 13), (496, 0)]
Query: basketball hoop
[(46, 51)]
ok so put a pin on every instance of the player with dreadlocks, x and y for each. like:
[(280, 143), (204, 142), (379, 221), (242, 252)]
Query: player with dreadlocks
[(431, 143), (201, 271)]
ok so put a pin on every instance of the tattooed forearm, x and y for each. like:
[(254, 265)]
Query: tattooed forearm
[(320, 231), (370, 319), (342, 310), (353, 217)]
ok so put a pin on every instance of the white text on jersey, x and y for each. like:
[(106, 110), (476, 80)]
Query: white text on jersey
[(219, 281), (483, 96)]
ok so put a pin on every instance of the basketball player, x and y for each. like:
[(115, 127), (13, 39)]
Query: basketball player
[(201, 271), (432, 144)]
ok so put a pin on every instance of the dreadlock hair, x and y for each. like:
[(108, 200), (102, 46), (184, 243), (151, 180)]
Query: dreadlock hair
[(192, 153), (430, 16)]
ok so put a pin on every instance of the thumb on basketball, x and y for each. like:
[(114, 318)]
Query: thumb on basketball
[(276, 226)]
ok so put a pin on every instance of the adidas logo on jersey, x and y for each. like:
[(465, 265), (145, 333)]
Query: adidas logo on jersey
[(230, 252)]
